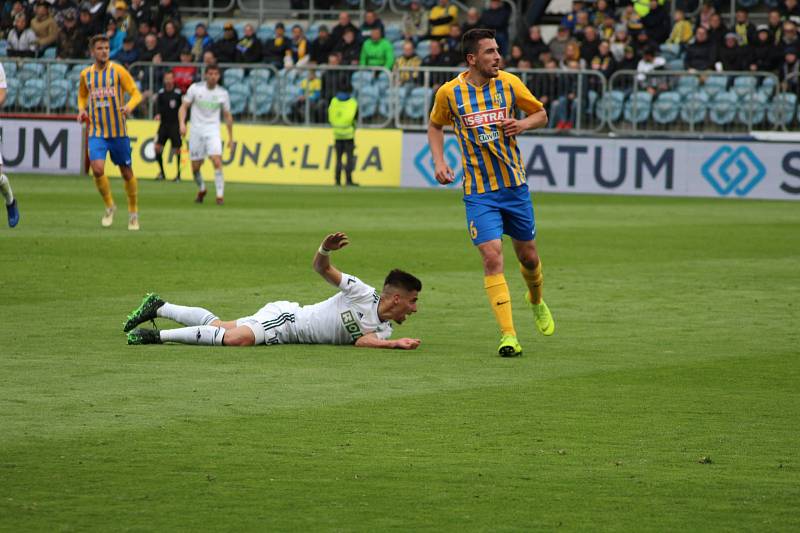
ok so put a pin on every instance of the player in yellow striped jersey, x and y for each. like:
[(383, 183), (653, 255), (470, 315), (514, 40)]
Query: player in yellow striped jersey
[(101, 103), (481, 105)]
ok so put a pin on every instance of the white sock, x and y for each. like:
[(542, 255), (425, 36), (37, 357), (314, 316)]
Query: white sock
[(5, 188), (188, 316), (205, 335), (219, 183), (198, 179)]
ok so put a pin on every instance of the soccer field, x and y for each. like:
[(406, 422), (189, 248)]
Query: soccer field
[(666, 400)]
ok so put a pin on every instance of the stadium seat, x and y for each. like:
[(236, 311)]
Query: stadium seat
[(3, 48), (415, 106), (637, 108), (31, 94), (368, 98), (313, 31), (353, 3), (609, 106), (361, 78), (58, 93), (265, 32), (670, 51), (239, 27), (12, 90), (49, 53), (395, 99), (722, 108), (216, 29), (752, 109), (398, 48), (288, 97), (240, 93), (772, 3), (10, 68), (424, 49), (782, 110), (259, 77), (744, 85), (263, 100), (715, 85), (747, 4), (687, 85), (382, 82), (31, 71), (694, 107), (394, 32), (188, 29), (674, 64), (402, 3), (57, 71), (767, 86), (232, 76), (666, 107)]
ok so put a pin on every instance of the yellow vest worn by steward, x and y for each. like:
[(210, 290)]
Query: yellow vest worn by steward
[(342, 116)]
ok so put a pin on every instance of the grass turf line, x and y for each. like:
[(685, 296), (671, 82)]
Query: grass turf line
[(676, 339)]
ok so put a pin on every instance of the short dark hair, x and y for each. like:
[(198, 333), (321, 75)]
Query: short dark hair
[(96, 39), (400, 279), (212, 66), (470, 40)]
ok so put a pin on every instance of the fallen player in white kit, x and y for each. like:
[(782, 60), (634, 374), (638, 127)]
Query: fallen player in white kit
[(357, 314)]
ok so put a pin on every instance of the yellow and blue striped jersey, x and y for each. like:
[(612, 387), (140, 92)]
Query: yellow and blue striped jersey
[(101, 95), (491, 160)]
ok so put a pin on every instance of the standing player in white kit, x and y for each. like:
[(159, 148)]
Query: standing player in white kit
[(357, 314), (5, 186), (206, 99)]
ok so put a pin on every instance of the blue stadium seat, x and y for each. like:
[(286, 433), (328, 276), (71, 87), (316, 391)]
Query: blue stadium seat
[(674, 64), (747, 4), (187, 30), (10, 68), (259, 77), (232, 76), (240, 93), (398, 48), (12, 90), (382, 82), (415, 107), (394, 32), (723, 107), (3, 48), (782, 110), (216, 29), (395, 99), (265, 32), (354, 3), (288, 97), (694, 107), (637, 108), (772, 3), (313, 31), (49, 53), (687, 85), (670, 51), (58, 93), (609, 106), (715, 85), (402, 3), (752, 109), (666, 107), (31, 94), (262, 100), (31, 71), (361, 78), (767, 86), (745, 85), (239, 27), (424, 49), (57, 71), (368, 98)]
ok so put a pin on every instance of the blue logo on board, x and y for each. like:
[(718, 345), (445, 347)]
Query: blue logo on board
[(730, 170), (452, 156)]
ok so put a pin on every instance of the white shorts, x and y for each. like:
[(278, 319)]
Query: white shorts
[(273, 324), (202, 145)]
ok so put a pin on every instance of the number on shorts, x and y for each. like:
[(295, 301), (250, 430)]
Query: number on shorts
[(473, 231)]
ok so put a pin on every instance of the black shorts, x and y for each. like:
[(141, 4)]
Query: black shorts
[(169, 132)]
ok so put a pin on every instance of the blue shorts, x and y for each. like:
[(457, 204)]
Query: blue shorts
[(507, 210), (120, 148)]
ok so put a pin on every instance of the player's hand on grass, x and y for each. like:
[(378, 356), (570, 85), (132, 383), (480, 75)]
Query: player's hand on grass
[(443, 173), (512, 126), (335, 241), (406, 344)]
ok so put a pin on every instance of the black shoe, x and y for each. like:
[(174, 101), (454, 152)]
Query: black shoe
[(144, 336), (160, 177), (146, 311)]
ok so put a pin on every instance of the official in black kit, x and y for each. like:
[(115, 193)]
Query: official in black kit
[(168, 101)]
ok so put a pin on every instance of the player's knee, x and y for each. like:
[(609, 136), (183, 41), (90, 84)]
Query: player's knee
[(241, 336), (530, 260)]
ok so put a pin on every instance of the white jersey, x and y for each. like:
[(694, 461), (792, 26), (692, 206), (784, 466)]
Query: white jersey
[(206, 105), (3, 84), (341, 319)]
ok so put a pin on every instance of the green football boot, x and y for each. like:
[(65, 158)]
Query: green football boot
[(509, 346), (542, 317), (146, 311), (144, 336)]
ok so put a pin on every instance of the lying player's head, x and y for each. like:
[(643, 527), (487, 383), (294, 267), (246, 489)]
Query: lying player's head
[(401, 289), (100, 48), (481, 52), (212, 76)]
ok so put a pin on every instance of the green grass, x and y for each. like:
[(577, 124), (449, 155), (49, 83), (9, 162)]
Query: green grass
[(678, 336)]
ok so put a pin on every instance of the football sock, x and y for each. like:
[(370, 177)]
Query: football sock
[(188, 316), (160, 159), (198, 179), (178, 164), (132, 190), (5, 188), (219, 183), (500, 300), (205, 335), (533, 279), (104, 187)]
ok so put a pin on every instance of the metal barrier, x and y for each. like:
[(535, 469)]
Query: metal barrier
[(47, 86), (262, 9), (689, 103)]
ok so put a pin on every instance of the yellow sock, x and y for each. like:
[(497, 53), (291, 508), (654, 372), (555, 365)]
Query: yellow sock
[(534, 279), (132, 189), (500, 300), (105, 190)]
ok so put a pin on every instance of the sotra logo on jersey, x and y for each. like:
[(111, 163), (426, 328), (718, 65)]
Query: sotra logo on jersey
[(485, 118), (351, 325)]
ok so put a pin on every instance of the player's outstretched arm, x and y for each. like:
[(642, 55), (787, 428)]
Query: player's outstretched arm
[(322, 260), (371, 340)]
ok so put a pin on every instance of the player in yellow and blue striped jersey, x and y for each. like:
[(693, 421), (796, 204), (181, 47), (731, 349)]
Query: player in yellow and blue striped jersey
[(481, 105), (101, 103)]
